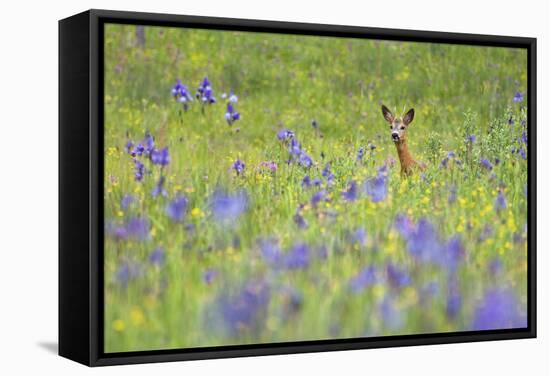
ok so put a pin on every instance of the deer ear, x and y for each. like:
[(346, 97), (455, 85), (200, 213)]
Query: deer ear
[(387, 114), (409, 116)]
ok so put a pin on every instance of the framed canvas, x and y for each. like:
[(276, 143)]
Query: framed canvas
[(235, 187)]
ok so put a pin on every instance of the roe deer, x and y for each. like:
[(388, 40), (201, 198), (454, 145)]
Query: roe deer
[(398, 128)]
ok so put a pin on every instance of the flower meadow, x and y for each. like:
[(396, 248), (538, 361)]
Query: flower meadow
[(252, 192)]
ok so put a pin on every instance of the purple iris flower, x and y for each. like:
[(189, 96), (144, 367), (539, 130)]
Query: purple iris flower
[(486, 164), (232, 97), (351, 193), (209, 275), (404, 225), (238, 166), (299, 220), (181, 93), (231, 115), (454, 300), (359, 236), (471, 138), (360, 154), (392, 316), (227, 207), (297, 257), (126, 201), (305, 160), (500, 201), (205, 93), (271, 253), (129, 147), (327, 174), (518, 97), (157, 257), (160, 157), (159, 190), (499, 309), (423, 242), (285, 135), (139, 170), (128, 271), (306, 182), (398, 277), (138, 228), (317, 197), (246, 310), (177, 208), (365, 278), (376, 188)]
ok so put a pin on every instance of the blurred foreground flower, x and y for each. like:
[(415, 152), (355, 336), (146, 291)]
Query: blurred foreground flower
[(499, 309), (177, 208), (245, 312), (228, 207)]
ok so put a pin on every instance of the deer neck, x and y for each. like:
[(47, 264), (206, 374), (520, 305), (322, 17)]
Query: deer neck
[(405, 158)]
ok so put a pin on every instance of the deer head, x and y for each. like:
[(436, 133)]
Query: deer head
[(398, 125)]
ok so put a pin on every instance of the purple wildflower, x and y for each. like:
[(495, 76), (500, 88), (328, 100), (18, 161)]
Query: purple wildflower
[(376, 188), (227, 207), (159, 190), (181, 93), (245, 311), (317, 197), (360, 154), (209, 275), (205, 93), (126, 201), (351, 193), (454, 300), (398, 277), (365, 278), (160, 157), (486, 164), (177, 208), (138, 228), (126, 272), (518, 97), (238, 166), (139, 170), (471, 138), (306, 181), (392, 316), (157, 257), (500, 201), (299, 220), (499, 309), (404, 225), (129, 147), (285, 135), (297, 257), (231, 115), (359, 236)]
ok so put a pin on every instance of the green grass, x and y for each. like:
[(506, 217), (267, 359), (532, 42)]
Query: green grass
[(285, 81)]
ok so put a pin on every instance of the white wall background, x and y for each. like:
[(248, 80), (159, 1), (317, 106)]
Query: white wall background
[(28, 184)]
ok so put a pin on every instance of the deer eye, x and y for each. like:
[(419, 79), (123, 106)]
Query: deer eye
[(402, 128)]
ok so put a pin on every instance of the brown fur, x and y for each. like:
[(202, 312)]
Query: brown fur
[(399, 127)]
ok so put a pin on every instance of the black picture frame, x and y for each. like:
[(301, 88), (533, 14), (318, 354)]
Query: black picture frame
[(81, 174)]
